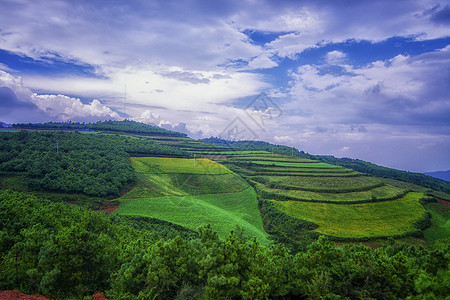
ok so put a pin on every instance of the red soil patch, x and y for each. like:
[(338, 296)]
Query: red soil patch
[(99, 296), (109, 207), (445, 203), (15, 295)]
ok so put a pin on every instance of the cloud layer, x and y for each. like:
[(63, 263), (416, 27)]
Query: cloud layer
[(194, 66), (20, 104)]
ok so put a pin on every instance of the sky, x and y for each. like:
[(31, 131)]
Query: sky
[(351, 78)]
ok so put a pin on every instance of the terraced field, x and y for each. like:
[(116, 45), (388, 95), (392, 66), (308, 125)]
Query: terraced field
[(342, 202), (193, 194), (378, 219)]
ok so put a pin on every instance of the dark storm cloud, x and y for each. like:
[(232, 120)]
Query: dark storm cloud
[(441, 16), (13, 110)]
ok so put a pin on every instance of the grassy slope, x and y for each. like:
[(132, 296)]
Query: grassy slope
[(158, 165), (223, 211), (360, 220), (325, 182), (297, 164), (440, 223), (176, 191), (382, 192)]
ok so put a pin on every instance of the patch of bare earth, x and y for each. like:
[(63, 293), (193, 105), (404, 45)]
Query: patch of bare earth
[(110, 207), (16, 295), (445, 203)]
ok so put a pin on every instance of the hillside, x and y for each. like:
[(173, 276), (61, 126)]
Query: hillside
[(280, 205), (444, 175)]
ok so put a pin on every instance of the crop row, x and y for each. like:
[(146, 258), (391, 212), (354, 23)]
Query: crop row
[(321, 184), (282, 186), (402, 216), (345, 198)]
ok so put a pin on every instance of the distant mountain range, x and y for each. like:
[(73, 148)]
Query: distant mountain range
[(444, 175)]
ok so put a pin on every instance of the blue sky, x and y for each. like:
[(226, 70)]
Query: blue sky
[(360, 79)]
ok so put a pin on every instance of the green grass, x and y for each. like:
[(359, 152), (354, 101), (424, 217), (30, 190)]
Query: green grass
[(440, 223), (222, 211), (277, 158), (168, 189), (258, 168), (389, 218), (157, 185), (220, 152), (311, 165), (325, 182), (383, 192), (161, 165)]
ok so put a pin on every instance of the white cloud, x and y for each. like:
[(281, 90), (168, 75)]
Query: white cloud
[(66, 108), (197, 36), (335, 57), (48, 107), (262, 62), (168, 87)]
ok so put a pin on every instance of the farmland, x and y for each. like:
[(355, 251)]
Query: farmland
[(390, 218), (343, 203), (174, 190), (158, 165), (223, 211)]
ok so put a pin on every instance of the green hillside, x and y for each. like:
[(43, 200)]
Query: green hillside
[(193, 193)]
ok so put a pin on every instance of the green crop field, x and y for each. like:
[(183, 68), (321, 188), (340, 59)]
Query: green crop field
[(311, 165), (237, 152), (172, 189), (261, 168), (158, 165), (222, 211), (378, 193), (389, 218), (440, 223), (325, 182), (273, 159), (157, 185)]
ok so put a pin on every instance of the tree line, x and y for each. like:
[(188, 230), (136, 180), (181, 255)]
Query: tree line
[(126, 126)]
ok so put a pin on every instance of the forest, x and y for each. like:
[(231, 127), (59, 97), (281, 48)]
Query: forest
[(114, 126), (74, 162), (65, 251)]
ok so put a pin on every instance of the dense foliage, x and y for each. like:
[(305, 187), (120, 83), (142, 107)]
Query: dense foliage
[(73, 162), (66, 251), (115, 126), (253, 145)]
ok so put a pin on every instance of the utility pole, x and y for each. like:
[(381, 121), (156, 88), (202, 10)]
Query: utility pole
[(194, 160)]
